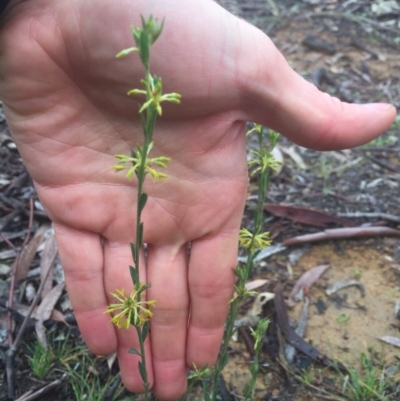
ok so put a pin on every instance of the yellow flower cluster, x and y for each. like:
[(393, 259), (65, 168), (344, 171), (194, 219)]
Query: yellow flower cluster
[(253, 242), (130, 310), (136, 160)]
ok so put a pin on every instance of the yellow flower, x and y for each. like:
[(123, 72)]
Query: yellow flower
[(154, 95), (253, 242), (136, 161), (130, 309)]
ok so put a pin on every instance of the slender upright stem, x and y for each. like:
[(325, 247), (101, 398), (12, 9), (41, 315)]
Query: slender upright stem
[(264, 180)]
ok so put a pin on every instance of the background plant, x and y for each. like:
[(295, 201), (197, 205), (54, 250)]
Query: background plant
[(262, 164)]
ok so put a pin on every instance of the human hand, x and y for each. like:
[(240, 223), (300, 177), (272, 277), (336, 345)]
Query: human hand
[(64, 97)]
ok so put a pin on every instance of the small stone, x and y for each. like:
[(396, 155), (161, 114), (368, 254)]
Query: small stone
[(268, 379)]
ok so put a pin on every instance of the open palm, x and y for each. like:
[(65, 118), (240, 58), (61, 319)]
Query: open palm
[(65, 99)]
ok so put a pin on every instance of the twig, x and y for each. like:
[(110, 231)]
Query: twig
[(39, 393), (383, 216), (341, 233), (384, 164)]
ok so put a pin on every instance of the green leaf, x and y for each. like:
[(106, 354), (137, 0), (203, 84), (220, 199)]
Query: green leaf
[(134, 351), (144, 22), (343, 318), (145, 330), (134, 274), (150, 146), (125, 52), (145, 48), (224, 360), (158, 29), (133, 154), (142, 371), (142, 201)]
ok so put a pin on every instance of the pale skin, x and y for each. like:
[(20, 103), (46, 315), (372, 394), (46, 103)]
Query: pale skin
[(65, 99)]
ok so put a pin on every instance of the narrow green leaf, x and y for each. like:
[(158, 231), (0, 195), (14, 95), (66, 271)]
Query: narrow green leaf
[(158, 29), (133, 153), (145, 330), (136, 32), (134, 274), (134, 351), (125, 52), (144, 48), (142, 371), (142, 201), (144, 22), (224, 360), (151, 144)]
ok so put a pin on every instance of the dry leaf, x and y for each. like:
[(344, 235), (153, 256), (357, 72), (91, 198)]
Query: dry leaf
[(48, 257), (23, 310), (44, 311), (47, 305), (306, 281), (58, 316), (391, 340), (308, 216), (252, 285), (295, 156), (111, 359), (28, 253)]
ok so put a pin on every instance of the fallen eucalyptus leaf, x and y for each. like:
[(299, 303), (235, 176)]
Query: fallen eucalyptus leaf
[(252, 285), (306, 281), (391, 340)]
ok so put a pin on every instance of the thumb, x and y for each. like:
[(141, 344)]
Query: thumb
[(281, 99)]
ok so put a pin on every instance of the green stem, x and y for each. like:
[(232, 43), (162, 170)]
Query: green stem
[(148, 128), (264, 180), (145, 379), (223, 358)]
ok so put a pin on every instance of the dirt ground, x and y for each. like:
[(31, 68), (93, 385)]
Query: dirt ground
[(350, 49)]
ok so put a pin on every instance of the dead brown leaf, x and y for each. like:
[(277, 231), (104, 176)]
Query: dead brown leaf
[(254, 284), (45, 309), (306, 281), (308, 216), (48, 256), (28, 253), (391, 340)]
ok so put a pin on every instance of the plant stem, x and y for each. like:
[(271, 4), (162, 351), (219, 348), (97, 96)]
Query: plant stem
[(148, 122), (243, 273)]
